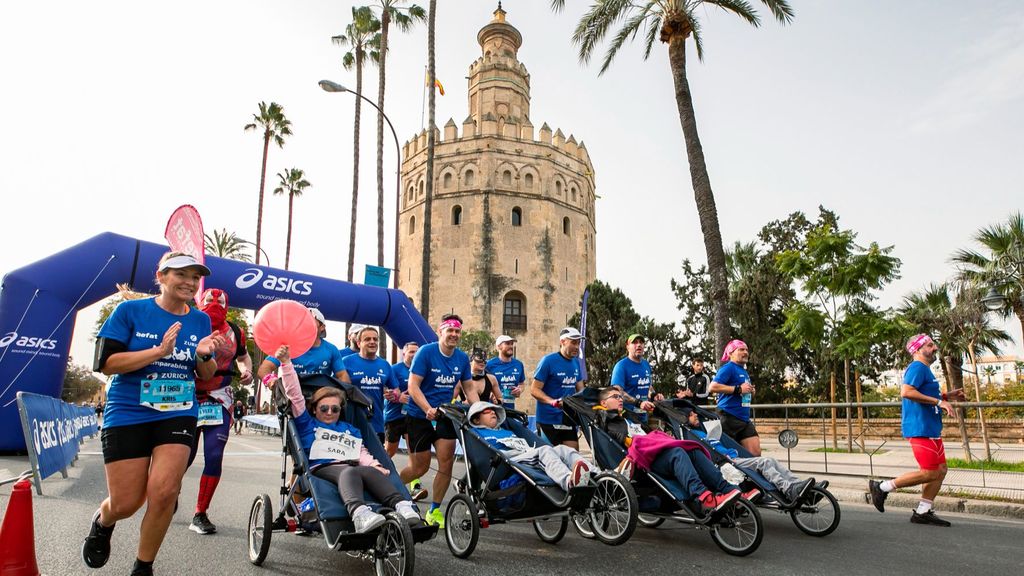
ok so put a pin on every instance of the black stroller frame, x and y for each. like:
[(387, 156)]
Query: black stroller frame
[(738, 530), (391, 547), (816, 513), (482, 501)]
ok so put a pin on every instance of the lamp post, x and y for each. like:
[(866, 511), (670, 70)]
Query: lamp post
[(260, 248)]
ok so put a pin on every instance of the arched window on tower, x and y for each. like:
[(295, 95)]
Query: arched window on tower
[(456, 215), (517, 216), (506, 177), (514, 317), (565, 225), (573, 193), (447, 180), (423, 188), (558, 188), (412, 225), (528, 180), (469, 178)]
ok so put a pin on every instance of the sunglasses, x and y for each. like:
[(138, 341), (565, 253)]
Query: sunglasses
[(615, 396), (332, 409)]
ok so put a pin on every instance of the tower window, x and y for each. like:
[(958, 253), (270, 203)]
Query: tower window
[(506, 178), (469, 178), (456, 215), (423, 187), (448, 180), (573, 193), (565, 225), (517, 216), (558, 188), (528, 180), (412, 225), (514, 317)]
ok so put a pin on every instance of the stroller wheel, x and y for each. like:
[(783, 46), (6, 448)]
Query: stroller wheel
[(613, 509), (395, 552), (551, 530), (818, 514), (461, 526), (740, 530), (581, 522), (261, 518), (649, 521)]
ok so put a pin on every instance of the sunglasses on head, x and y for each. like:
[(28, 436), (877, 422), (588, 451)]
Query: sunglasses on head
[(331, 409)]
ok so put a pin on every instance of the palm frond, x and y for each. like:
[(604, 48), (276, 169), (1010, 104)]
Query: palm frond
[(781, 9), (653, 28), (741, 8), (627, 32), (593, 26)]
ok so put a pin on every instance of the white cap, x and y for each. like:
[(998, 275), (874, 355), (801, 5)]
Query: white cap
[(504, 338), (479, 407), (184, 261), (318, 315), (355, 328), (570, 333)]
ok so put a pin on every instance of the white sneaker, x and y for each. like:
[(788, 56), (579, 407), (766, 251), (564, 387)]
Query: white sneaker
[(366, 519), (408, 510)]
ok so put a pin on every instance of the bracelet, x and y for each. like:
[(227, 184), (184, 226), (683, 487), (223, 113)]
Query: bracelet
[(736, 389)]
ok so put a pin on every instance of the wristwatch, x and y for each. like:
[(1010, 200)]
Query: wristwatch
[(207, 357)]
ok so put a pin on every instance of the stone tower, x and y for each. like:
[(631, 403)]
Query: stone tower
[(512, 226)]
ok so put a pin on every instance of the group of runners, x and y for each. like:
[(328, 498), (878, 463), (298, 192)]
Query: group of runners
[(172, 367)]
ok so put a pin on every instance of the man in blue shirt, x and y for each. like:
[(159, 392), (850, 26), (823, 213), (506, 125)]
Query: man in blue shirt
[(923, 403), (372, 374), (437, 370), (734, 389), (558, 376), (633, 374), (509, 371), (322, 358), (352, 342), (395, 406)]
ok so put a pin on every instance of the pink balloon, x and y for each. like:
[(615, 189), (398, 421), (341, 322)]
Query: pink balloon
[(284, 323)]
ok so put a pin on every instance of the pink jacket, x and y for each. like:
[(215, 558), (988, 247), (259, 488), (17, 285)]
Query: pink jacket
[(644, 449)]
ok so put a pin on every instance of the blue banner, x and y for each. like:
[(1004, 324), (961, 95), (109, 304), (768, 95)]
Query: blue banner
[(53, 431), (583, 330), (377, 276)]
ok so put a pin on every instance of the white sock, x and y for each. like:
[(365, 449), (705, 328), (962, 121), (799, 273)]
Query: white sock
[(924, 506), (887, 486)]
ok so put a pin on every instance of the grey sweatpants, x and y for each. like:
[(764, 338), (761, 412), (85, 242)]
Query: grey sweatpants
[(352, 480), (557, 461), (771, 469)]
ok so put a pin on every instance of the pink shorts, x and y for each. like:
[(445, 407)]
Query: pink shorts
[(930, 453)]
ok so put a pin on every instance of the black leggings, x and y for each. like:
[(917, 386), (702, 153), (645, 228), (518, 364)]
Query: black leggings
[(352, 480)]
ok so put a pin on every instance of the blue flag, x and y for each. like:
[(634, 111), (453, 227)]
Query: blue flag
[(377, 276)]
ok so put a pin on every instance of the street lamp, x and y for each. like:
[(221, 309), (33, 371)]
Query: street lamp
[(262, 251), (993, 301), (329, 86)]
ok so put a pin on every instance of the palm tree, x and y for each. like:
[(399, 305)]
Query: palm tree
[(275, 127), (989, 371), (403, 18), (227, 245), (673, 22), (362, 37), (291, 182), (1018, 367), (428, 202), (1003, 267)]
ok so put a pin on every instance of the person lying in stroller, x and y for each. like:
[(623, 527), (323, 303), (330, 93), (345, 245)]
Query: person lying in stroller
[(770, 468), (336, 452), (687, 461), (565, 466)]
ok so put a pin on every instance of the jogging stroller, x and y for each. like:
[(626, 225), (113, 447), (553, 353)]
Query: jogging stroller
[(737, 530), (496, 490), (815, 513), (390, 547)]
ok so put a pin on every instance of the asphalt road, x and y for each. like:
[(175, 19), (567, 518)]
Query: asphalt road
[(865, 543)]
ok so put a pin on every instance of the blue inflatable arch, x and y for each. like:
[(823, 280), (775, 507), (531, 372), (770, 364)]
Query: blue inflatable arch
[(39, 302)]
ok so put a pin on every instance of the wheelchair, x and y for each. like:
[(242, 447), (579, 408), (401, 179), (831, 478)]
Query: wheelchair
[(738, 530), (496, 490), (817, 513), (391, 547)]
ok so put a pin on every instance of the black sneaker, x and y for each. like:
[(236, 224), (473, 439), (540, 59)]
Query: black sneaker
[(799, 490), (96, 548), (142, 569), (201, 524), (279, 524), (929, 517), (878, 496)]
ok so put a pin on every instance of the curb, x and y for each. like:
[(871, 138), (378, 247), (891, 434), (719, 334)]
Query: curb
[(909, 501)]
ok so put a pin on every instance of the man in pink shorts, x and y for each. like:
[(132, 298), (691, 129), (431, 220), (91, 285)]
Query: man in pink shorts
[(923, 403)]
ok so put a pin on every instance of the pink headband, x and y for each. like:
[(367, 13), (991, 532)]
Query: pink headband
[(731, 347), (268, 380), (451, 323), (915, 343)]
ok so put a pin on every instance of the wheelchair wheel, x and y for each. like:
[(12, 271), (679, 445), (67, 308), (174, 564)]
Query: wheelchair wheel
[(613, 509), (818, 515), (581, 522), (261, 517), (395, 551), (740, 531), (551, 530), (461, 526), (649, 521)]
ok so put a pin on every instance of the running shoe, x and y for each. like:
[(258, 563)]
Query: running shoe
[(142, 570), (201, 524), (715, 502), (878, 495), (365, 520), (96, 548), (416, 490), (800, 489), (752, 494), (930, 518), (435, 518), (626, 468), (580, 474), (409, 511)]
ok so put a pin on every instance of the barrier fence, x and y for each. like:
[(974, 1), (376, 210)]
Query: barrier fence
[(54, 430)]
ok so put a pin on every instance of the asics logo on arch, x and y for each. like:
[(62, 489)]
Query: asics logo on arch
[(252, 276), (27, 341)]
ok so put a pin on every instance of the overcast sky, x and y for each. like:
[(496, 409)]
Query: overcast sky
[(903, 117)]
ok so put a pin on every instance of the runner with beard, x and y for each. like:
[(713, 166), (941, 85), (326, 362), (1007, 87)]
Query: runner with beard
[(216, 398)]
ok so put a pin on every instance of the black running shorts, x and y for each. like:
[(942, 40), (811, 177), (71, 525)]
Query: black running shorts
[(138, 440)]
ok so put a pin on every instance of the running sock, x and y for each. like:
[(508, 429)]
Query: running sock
[(887, 486), (207, 486), (433, 506), (924, 506)]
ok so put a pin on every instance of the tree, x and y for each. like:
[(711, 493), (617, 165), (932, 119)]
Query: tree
[(1003, 268), (610, 319), (989, 371), (362, 37), (665, 353), (275, 126), (291, 182), (1018, 367), (476, 339), (80, 384), (428, 201), (673, 22), (227, 245)]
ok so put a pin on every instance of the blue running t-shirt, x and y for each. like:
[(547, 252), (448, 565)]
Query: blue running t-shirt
[(921, 420), (559, 375), (323, 359), (371, 376), (633, 377), (732, 374), (140, 325), (395, 410), (440, 374), (509, 374)]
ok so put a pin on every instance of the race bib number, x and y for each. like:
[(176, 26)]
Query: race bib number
[(167, 395), (515, 443), (332, 445), (210, 414), (635, 429)]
